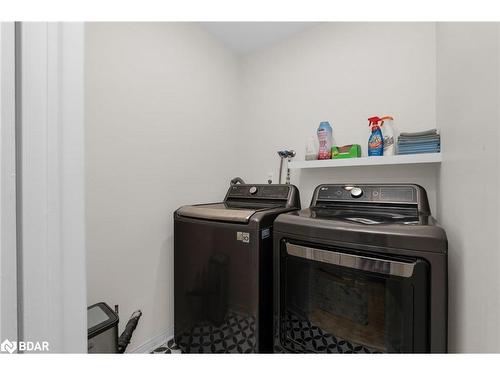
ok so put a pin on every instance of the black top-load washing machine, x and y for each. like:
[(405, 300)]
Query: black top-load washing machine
[(364, 269), (223, 270)]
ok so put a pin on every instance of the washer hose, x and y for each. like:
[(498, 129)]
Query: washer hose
[(237, 180)]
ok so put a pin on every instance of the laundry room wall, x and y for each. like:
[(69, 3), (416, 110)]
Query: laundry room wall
[(162, 102), (342, 73), (468, 104), (172, 115)]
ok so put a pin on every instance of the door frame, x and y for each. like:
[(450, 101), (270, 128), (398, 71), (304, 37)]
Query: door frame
[(8, 240), (51, 213)]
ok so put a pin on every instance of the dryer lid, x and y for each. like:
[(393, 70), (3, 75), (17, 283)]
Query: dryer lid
[(369, 215)]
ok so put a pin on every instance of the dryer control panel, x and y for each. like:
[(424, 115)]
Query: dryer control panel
[(370, 193)]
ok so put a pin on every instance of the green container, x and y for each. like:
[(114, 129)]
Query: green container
[(346, 152)]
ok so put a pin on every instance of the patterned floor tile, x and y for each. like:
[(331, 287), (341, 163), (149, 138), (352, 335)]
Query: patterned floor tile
[(303, 337), (237, 335)]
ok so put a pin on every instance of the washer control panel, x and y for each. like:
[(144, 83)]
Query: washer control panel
[(259, 191), (367, 193)]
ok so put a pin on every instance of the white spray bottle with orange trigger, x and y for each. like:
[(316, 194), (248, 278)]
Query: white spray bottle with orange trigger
[(388, 134)]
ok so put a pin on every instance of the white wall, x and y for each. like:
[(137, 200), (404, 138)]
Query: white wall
[(468, 104), (151, 86), (343, 73), (162, 108)]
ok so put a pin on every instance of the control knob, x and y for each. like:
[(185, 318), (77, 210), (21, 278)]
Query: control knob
[(356, 192), (253, 190)]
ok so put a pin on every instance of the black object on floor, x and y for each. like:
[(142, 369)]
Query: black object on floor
[(102, 330), (127, 333)]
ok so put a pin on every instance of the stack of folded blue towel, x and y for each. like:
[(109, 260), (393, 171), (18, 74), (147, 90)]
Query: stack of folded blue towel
[(424, 142)]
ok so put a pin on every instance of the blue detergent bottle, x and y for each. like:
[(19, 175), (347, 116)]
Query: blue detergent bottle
[(376, 140)]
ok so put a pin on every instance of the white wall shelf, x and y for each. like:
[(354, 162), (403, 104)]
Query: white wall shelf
[(368, 161)]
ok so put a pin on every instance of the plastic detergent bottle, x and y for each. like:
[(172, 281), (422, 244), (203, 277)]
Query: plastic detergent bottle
[(376, 140), (311, 153), (325, 139), (388, 134)]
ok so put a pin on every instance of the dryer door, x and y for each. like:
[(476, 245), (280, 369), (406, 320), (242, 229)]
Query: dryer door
[(338, 300)]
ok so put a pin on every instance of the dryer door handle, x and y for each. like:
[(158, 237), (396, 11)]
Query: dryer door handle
[(359, 262)]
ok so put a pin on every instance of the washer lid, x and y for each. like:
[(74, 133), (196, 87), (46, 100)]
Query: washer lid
[(233, 212)]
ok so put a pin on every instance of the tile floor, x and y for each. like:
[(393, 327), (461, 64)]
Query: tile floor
[(237, 335)]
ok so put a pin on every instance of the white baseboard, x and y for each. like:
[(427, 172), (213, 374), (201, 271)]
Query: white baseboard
[(153, 343)]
